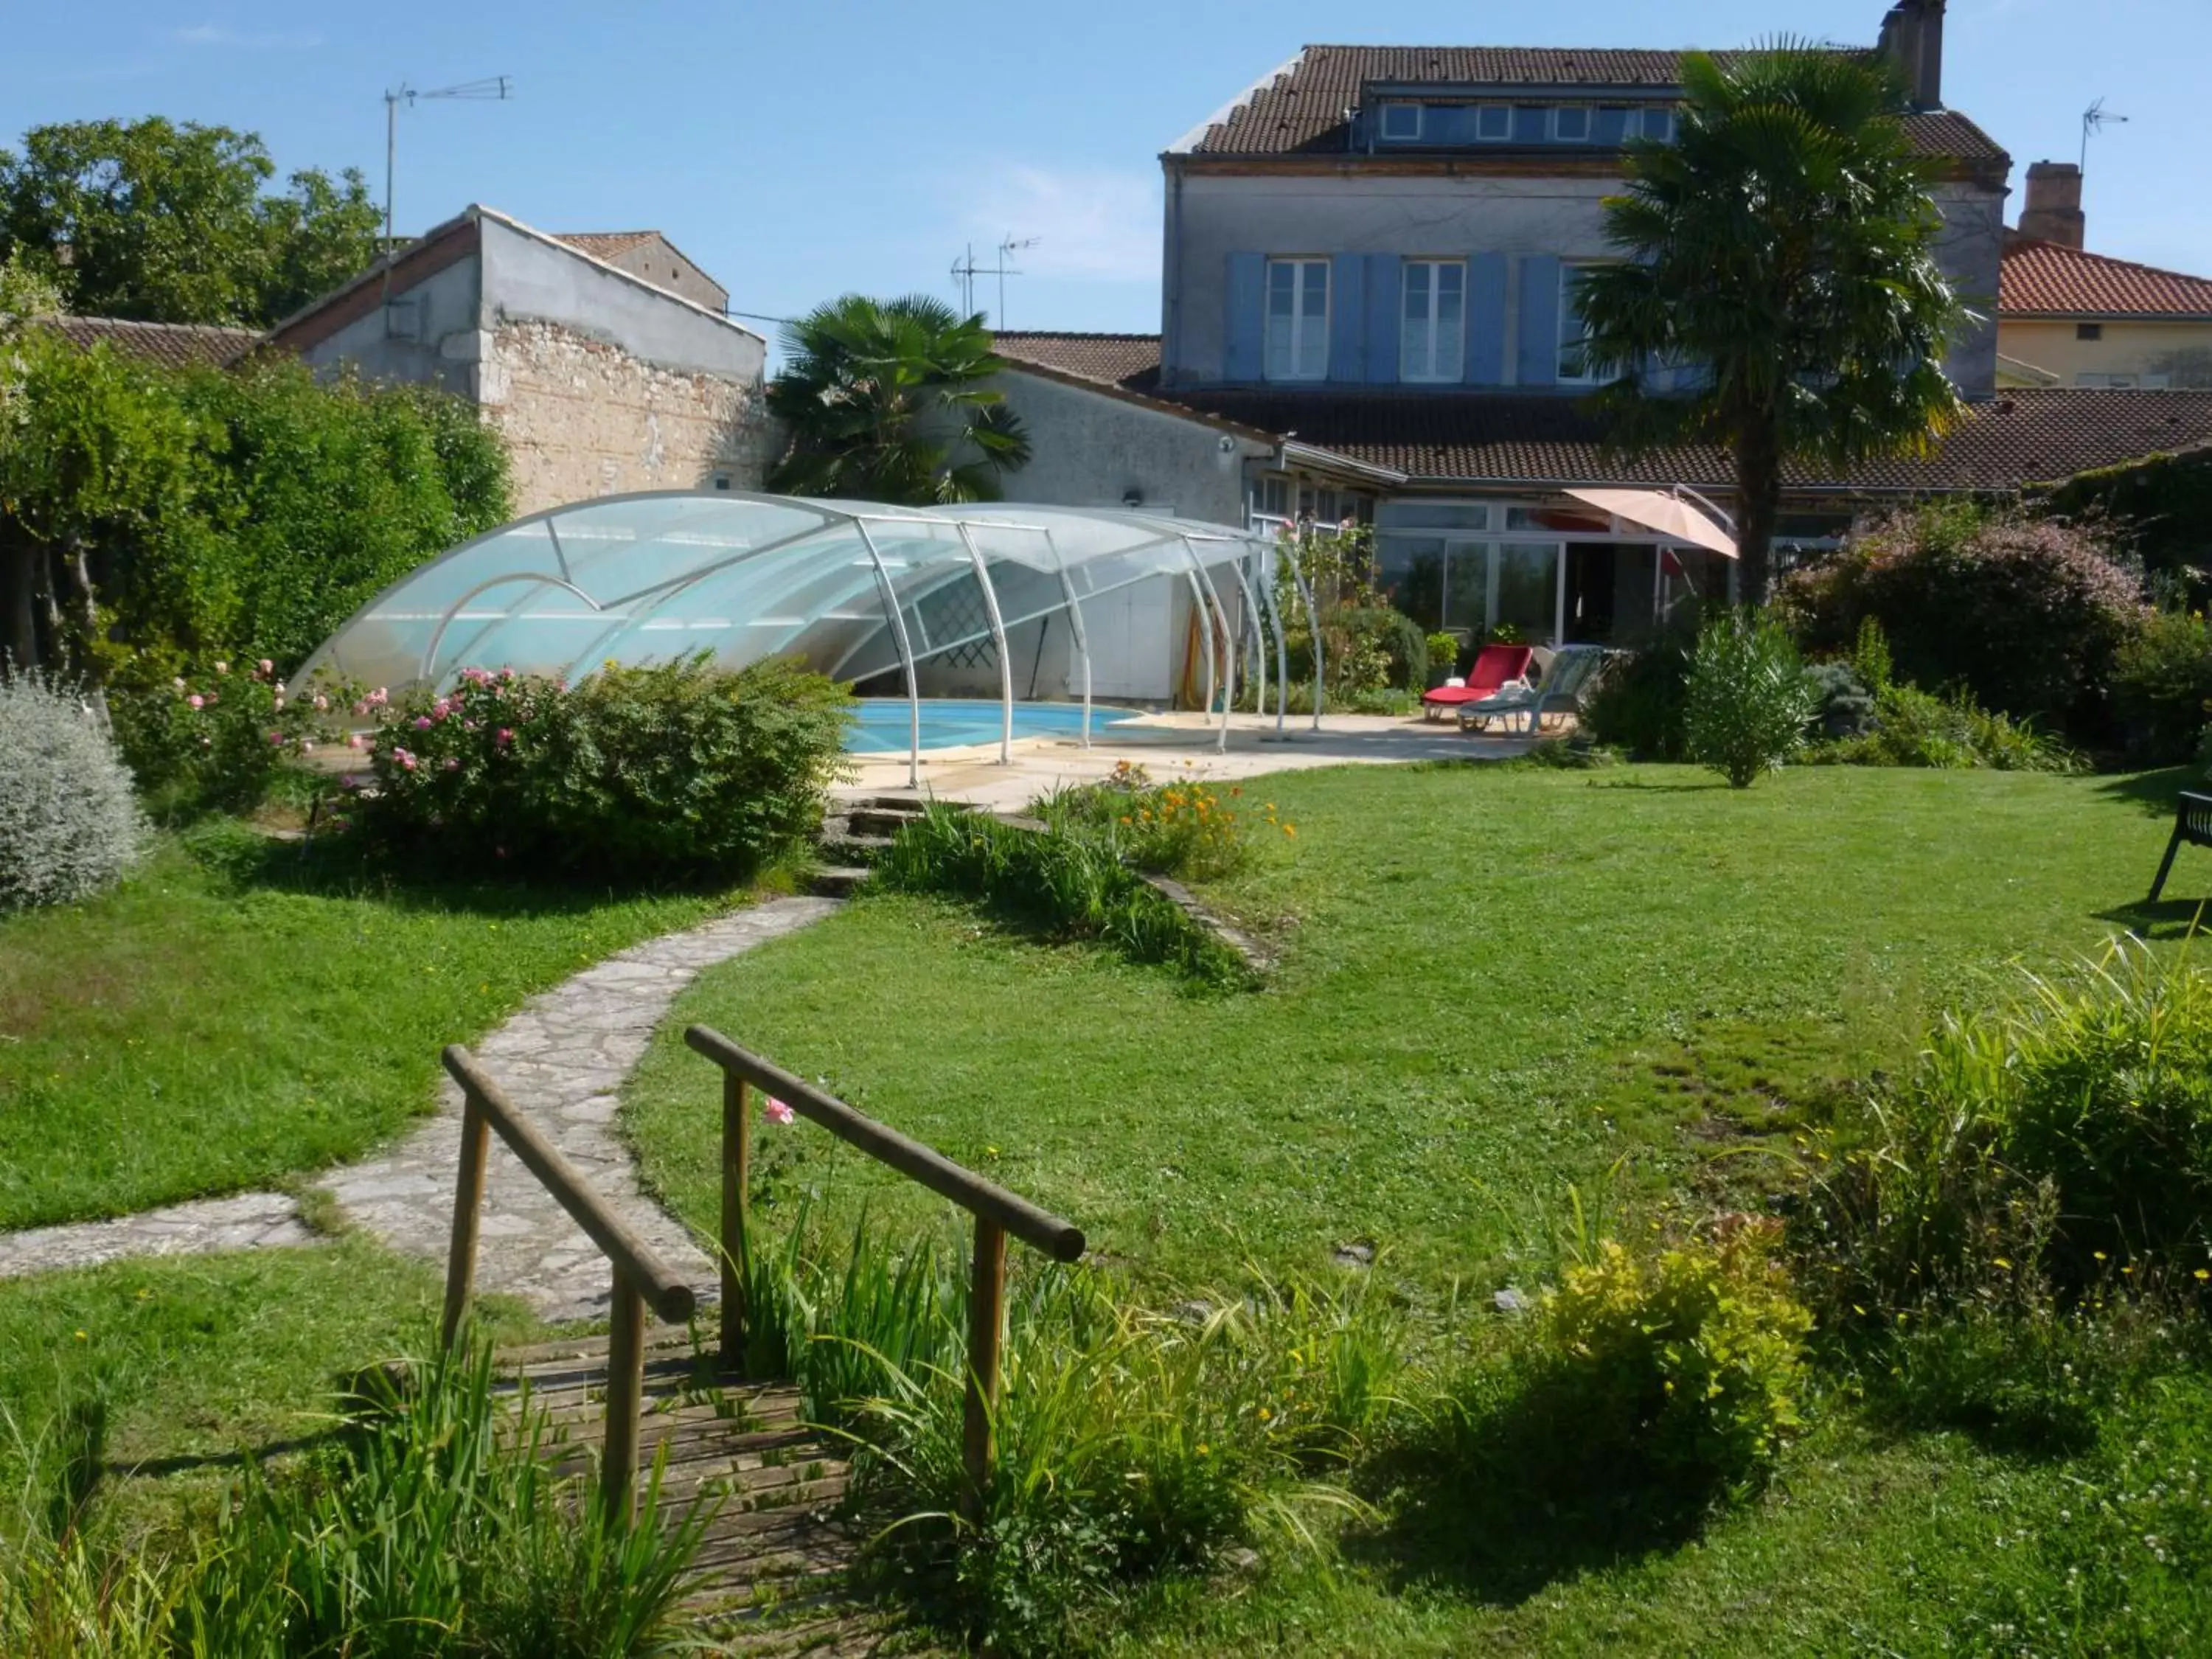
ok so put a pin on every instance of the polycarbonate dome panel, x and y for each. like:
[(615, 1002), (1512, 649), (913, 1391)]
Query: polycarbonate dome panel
[(646, 578)]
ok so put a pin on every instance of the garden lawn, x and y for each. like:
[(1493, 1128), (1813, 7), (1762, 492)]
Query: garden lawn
[(235, 1015), (1499, 979)]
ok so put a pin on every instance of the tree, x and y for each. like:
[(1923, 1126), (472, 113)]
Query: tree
[(887, 401), (168, 224), (1780, 256)]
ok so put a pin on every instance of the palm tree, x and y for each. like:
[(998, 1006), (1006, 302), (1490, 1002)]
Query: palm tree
[(887, 401), (1777, 290)]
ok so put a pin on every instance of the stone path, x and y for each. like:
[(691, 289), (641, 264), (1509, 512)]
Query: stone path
[(562, 1058)]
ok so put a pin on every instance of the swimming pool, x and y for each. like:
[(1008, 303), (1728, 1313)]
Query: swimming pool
[(881, 728)]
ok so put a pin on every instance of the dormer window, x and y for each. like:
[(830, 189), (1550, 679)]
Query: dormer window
[(1401, 122), (1570, 124), (1493, 122)]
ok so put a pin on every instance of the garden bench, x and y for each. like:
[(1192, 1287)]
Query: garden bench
[(2193, 823)]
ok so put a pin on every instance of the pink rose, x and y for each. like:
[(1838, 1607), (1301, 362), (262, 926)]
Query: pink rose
[(322, 704), (264, 667), (422, 722), (276, 739), (196, 701), (776, 1112), (503, 737), (353, 739)]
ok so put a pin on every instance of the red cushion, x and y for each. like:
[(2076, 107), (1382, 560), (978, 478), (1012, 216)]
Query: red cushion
[(1494, 664)]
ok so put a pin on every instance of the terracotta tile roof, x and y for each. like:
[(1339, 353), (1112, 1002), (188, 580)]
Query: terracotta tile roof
[(2049, 279), (1129, 360), (607, 244), (2020, 437), (1300, 108), (173, 345)]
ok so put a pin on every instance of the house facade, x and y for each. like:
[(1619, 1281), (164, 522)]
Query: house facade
[(600, 379), (1368, 260), (2069, 317)]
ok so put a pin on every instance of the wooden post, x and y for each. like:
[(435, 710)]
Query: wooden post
[(736, 1180), (625, 1394), (986, 1320), (468, 1206)]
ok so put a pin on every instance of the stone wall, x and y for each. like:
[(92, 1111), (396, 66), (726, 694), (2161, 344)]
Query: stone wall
[(583, 417)]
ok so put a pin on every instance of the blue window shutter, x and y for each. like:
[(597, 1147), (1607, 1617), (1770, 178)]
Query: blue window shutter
[(1245, 321), (1385, 282), (1485, 319), (1539, 360), (1347, 318)]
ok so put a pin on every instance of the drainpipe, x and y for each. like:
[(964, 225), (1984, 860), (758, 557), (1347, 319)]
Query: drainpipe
[(1172, 270)]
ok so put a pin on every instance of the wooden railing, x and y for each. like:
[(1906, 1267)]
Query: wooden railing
[(641, 1279), (998, 1213)]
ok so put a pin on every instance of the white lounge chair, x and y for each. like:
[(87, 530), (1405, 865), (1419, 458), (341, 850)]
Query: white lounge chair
[(1572, 671)]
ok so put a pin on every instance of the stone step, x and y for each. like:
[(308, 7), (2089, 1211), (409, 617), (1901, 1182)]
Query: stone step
[(852, 849), (878, 820), (836, 880)]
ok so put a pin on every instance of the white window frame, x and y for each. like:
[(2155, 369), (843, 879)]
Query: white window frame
[(1298, 368), (1482, 137), (1442, 369), (1558, 120), (1402, 106), (1569, 270)]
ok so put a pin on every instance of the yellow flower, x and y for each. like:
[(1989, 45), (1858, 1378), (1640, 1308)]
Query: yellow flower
[(2203, 1273), (1266, 1416), (2006, 1265), (81, 1337)]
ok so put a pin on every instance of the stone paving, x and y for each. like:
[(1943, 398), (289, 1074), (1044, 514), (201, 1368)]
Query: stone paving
[(563, 1059)]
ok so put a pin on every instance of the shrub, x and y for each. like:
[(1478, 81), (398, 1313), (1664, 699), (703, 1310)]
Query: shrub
[(2064, 1136), (2162, 687), (1191, 830), (1842, 706), (680, 769), (1640, 702), (1068, 882), (212, 739), (1746, 704), (1365, 648), (69, 825), (2027, 615), (1687, 1366), (1912, 729)]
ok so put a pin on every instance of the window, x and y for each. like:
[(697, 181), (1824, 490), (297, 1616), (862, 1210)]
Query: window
[(2088, 331), (1297, 319), (1433, 332), (1275, 495), (1493, 122), (1402, 121), (1573, 370), (2122, 382), (1570, 124), (1659, 123)]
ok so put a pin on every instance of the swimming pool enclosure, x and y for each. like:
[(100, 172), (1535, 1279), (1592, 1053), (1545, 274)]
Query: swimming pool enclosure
[(922, 601)]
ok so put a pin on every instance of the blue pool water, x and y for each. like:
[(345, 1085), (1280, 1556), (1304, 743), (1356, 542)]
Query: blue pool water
[(881, 726)]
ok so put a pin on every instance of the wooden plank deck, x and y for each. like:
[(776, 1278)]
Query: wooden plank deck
[(771, 1569)]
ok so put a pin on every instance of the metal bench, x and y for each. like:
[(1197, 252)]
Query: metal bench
[(2193, 823)]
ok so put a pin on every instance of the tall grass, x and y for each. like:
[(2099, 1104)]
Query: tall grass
[(434, 1524), (1066, 883), (1132, 1447), (2064, 1137)]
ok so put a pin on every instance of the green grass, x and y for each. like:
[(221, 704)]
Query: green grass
[(1499, 979), (196, 1359), (233, 1014)]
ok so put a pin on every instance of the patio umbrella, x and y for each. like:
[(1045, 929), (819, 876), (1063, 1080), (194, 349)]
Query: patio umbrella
[(1669, 515)]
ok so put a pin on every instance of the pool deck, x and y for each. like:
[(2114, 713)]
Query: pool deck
[(1177, 744)]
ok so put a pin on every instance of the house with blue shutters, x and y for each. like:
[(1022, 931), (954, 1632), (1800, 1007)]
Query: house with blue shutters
[(1369, 264)]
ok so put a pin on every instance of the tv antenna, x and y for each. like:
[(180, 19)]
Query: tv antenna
[(496, 88), (965, 271), (2093, 120)]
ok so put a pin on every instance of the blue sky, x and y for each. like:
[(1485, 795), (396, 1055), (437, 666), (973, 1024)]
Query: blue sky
[(803, 148)]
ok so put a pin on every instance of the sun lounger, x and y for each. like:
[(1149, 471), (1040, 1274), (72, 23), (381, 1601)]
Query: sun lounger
[(1570, 675), (1495, 667)]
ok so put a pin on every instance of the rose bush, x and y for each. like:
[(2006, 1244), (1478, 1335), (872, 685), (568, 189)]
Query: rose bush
[(680, 769)]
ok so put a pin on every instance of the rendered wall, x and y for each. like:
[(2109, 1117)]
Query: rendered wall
[(2182, 351), (1091, 448), (1438, 216)]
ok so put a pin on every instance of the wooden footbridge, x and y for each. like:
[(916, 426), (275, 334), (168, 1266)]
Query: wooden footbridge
[(775, 1553)]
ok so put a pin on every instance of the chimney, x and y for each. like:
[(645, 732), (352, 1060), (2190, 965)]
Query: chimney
[(1912, 39), (2053, 212)]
